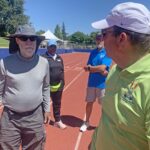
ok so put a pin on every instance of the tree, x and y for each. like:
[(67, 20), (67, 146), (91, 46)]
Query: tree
[(40, 32), (78, 37), (93, 36), (64, 34), (58, 32), (87, 40), (3, 10), (12, 14)]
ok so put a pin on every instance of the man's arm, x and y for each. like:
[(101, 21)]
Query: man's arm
[(2, 84), (100, 68), (46, 96), (1, 108), (63, 73)]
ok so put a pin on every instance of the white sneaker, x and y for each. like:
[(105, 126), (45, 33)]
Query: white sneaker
[(84, 126), (60, 125)]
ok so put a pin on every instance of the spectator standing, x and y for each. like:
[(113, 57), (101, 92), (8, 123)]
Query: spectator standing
[(98, 66), (24, 93), (57, 82), (125, 121)]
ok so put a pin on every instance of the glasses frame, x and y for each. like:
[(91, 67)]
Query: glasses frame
[(99, 38), (106, 31), (25, 38)]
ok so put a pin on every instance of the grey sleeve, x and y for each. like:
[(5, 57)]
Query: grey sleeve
[(46, 91), (2, 79)]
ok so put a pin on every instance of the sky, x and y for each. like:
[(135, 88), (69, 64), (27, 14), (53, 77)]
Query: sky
[(77, 15)]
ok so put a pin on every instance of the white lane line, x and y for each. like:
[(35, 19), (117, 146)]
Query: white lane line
[(80, 133), (78, 141), (79, 137), (73, 80)]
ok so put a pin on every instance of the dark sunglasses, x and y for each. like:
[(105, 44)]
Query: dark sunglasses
[(99, 37), (105, 32), (25, 38)]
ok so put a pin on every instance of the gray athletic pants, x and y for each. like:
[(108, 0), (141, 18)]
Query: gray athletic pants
[(25, 129)]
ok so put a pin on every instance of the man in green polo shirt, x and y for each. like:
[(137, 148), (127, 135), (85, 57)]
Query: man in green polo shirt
[(125, 121)]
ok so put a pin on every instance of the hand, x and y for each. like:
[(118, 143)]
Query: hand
[(86, 67), (47, 117), (105, 73)]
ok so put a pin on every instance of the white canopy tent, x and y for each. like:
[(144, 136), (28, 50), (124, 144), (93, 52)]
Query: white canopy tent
[(49, 35)]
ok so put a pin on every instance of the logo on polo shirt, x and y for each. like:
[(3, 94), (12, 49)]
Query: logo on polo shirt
[(127, 96), (128, 93), (102, 56)]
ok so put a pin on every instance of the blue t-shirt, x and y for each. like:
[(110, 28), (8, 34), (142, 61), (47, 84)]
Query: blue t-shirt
[(98, 57)]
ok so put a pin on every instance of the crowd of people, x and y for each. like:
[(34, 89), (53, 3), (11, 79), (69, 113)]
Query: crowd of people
[(122, 89)]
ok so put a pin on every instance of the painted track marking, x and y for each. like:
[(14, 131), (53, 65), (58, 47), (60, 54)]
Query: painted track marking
[(73, 80), (79, 137), (80, 133)]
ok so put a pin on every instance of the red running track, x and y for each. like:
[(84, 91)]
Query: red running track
[(73, 108)]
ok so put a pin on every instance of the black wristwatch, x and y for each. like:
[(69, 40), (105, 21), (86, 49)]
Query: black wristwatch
[(107, 68), (88, 68)]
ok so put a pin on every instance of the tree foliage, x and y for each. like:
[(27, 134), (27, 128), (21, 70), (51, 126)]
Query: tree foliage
[(78, 37), (58, 32), (64, 34), (12, 15), (40, 32)]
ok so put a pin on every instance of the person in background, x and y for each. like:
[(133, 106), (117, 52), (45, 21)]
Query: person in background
[(125, 121), (24, 93), (57, 82), (98, 66)]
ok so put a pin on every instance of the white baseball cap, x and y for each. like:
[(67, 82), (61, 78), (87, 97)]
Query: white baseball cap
[(131, 16)]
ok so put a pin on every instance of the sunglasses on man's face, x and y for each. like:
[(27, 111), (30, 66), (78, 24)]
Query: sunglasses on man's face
[(25, 38), (105, 32), (99, 38)]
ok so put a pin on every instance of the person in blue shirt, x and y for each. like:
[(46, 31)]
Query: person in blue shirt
[(98, 66)]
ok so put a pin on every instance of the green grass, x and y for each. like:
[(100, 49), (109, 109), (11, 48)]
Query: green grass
[(3, 42)]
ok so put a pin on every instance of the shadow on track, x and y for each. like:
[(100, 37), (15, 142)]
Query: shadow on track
[(72, 121)]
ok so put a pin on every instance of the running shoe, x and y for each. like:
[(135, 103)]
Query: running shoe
[(60, 125), (84, 126)]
